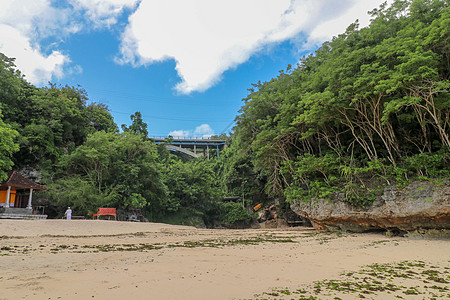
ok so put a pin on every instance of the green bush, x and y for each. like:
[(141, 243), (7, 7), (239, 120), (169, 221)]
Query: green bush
[(234, 214)]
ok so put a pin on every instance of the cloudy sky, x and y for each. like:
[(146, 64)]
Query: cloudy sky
[(184, 64)]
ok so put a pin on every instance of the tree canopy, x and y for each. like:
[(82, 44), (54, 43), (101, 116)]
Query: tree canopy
[(116, 170), (368, 103)]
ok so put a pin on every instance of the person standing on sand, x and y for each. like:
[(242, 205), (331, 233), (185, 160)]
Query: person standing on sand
[(68, 213)]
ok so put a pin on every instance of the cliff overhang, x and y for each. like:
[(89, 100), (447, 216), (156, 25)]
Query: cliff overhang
[(418, 206)]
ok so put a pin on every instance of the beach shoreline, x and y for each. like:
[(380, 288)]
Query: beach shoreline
[(95, 259)]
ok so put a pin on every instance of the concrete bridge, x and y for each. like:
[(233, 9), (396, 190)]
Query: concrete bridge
[(192, 147)]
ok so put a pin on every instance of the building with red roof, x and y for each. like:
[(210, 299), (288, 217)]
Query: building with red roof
[(16, 194)]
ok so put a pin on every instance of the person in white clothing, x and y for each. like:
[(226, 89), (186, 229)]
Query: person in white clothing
[(68, 213)]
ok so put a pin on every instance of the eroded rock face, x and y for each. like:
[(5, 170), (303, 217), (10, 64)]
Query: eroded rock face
[(267, 214), (421, 205), (31, 173)]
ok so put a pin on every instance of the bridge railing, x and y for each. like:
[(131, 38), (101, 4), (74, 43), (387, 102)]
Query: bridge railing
[(181, 137)]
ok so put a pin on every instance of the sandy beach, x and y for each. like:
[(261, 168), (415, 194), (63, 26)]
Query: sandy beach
[(86, 259)]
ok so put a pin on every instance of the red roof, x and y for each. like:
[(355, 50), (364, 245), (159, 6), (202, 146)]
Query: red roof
[(16, 179)]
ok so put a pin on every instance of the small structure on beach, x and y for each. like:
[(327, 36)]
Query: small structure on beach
[(16, 194)]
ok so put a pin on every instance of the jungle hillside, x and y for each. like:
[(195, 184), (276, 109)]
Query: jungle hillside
[(369, 108)]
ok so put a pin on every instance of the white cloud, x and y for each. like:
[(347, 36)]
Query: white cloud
[(25, 23), (327, 29), (38, 19), (202, 131), (37, 68), (20, 14), (206, 37), (180, 133), (20, 21), (22, 25), (103, 12)]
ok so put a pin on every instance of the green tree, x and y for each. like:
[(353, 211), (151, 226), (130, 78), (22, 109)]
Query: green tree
[(51, 121), (99, 118), (7, 148), (192, 185), (137, 126), (117, 170), (11, 81)]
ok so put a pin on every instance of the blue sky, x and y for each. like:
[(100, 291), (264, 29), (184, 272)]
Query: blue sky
[(184, 64)]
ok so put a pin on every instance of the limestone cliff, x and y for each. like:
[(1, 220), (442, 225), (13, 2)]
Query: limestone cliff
[(421, 205)]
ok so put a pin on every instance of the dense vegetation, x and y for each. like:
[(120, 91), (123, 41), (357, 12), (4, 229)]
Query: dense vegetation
[(369, 108), (86, 163)]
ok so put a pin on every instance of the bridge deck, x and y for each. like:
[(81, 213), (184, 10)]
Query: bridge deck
[(190, 143), (182, 145)]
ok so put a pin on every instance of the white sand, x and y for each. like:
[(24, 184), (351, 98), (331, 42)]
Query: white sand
[(59, 259)]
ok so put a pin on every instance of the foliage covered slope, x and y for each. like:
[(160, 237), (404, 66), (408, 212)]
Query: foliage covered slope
[(369, 107)]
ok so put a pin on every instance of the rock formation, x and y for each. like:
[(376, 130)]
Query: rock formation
[(420, 205)]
